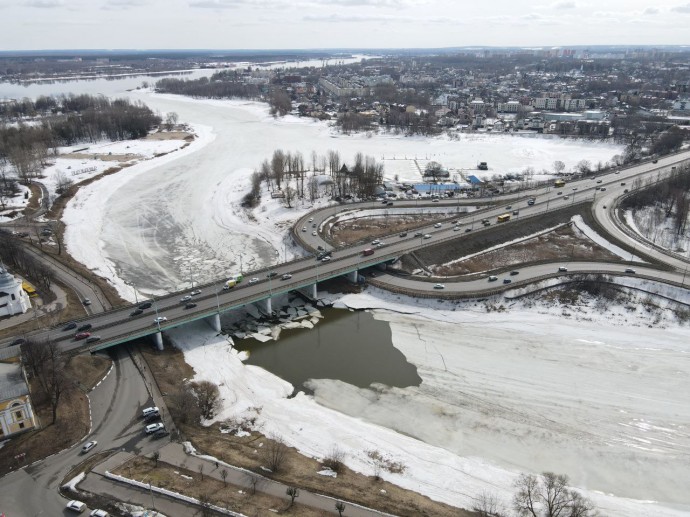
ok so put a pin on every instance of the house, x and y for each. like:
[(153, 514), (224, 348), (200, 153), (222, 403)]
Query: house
[(16, 413)]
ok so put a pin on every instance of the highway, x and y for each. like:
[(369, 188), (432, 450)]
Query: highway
[(117, 325)]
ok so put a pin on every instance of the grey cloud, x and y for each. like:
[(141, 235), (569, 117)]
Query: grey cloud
[(124, 4), (651, 10), (340, 18), (685, 8), (46, 4)]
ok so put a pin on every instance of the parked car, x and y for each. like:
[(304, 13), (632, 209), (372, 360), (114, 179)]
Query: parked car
[(145, 305), (253, 281), (93, 339), (189, 305), (622, 183), (195, 292), (149, 410), (136, 312), (185, 298), (493, 278), (152, 428), (81, 335), (602, 189), (439, 286), (88, 446), (76, 506), (159, 319), (161, 433), (311, 219), (98, 513), (71, 325), (286, 276), (655, 161), (563, 269), (320, 248), (566, 197), (84, 327)]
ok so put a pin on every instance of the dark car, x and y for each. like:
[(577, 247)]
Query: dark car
[(272, 274), (161, 433), (468, 230), (18, 341), (84, 327), (136, 312), (145, 305), (507, 280), (71, 325), (403, 234), (190, 305), (82, 335), (418, 234), (513, 273), (93, 339)]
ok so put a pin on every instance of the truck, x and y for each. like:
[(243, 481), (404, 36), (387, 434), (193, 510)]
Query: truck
[(482, 166), (559, 183), (229, 284), (503, 218), (367, 252)]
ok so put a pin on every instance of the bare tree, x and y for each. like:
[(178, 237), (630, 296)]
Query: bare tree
[(184, 405), (171, 120), (224, 476), (207, 397), (253, 481), (155, 456), (200, 468), (62, 182), (334, 460), (289, 196), (292, 493), (275, 452), (558, 166), (278, 167), (44, 361), (549, 496), (340, 507), (487, 505)]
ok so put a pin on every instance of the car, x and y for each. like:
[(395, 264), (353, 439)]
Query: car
[(574, 188), (622, 183), (630, 270), (418, 234), (559, 193), (456, 228), (655, 161), (313, 225), (17, 342), (625, 191), (599, 181), (159, 320), (488, 223), (375, 242), (149, 410), (439, 286), (152, 428), (434, 200), (509, 207), (381, 243), (320, 248), (513, 273), (566, 197), (516, 212), (286, 276), (145, 305), (195, 292), (186, 298), (71, 325), (311, 219), (403, 234), (189, 305), (313, 233), (76, 506), (384, 202), (93, 339), (563, 268), (618, 172), (152, 417), (438, 225), (604, 206), (272, 274), (98, 513), (86, 301), (467, 230), (136, 312), (427, 236), (85, 327), (325, 259), (253, 281), (493, 278), (161, 433), (507, 280), (304, 228), (390, 203), (81, 335), (88, 446), (602, 188)]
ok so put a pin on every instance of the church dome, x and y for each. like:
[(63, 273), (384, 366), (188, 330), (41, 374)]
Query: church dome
[(7, 281)]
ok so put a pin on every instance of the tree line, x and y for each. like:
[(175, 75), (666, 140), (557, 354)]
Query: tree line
[(67, 120), (13, 255), (358, 179)]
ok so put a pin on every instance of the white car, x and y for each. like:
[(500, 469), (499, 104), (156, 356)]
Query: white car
[(427, 236), (186, 298), (438, 225), (439, 286), (98, 513), (313, 233), (326, 259), (159, 319), (375, 242), (456, 228), (149, 411), (563, 268), (304, 228), (253, 281), (76, 506), (195, 292), (152, 428), (88, 446), (311, 219)]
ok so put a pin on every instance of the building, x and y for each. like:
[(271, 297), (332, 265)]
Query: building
[(13, 299), (16, 413)]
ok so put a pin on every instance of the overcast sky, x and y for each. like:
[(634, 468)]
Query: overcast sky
[(275, 24)]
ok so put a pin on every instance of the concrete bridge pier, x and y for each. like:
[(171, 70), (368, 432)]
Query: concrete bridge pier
[(158, 340), (352, 276), (268, 306), (214, 322)]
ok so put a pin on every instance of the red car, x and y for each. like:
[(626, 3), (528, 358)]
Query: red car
[(82, 335)]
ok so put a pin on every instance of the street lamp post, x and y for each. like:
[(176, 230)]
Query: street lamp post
[(682, 284)]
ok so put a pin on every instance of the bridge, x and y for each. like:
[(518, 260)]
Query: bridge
[(117, 326)]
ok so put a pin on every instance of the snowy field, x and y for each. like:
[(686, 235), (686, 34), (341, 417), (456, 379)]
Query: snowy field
[(182, 220), (599, 395)]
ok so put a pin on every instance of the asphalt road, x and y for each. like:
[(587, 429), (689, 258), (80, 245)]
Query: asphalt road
[(115, 404)]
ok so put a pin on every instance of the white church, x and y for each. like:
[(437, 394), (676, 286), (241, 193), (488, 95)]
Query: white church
[(13, 299)]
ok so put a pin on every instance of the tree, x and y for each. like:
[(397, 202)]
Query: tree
[(289, 196), (558, 166), (183, 404), (224, 476), (487, 505), (155, 456), (292, 493), (274, 452), (201, 470), (207, 397), (549, 496), (584, 166), (340, 507), (280, 103), (44, 361), (171, 120)]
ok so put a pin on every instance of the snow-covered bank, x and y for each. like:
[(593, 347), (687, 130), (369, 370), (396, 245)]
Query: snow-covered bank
[(531, 391)]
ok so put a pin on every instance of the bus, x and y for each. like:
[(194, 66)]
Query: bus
[(559, 183), (503, 218)]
